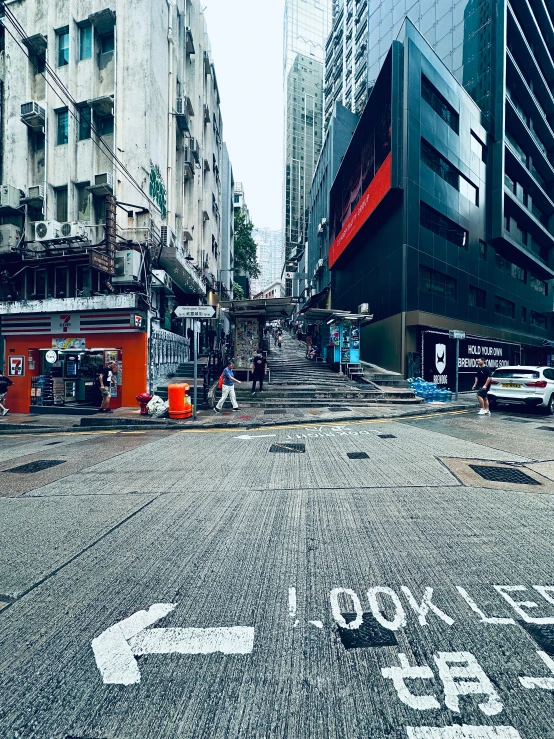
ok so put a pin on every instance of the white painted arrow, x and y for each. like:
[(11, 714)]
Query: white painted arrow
[(260, 436), (115, 649)]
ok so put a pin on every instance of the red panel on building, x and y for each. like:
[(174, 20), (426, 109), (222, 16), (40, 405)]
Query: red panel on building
[(376, 191)]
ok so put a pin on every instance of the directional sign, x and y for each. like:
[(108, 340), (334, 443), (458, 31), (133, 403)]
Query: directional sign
[(195, 311), (457, 335), (116, 648)]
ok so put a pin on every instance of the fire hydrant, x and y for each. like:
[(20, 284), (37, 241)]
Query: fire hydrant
[(144, 399)]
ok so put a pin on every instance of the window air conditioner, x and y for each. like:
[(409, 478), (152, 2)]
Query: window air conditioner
[(35, 196), (103, 184), (10, 236), (10, 197), (194, 149), (168, 238), (75, 231), (33, 115), (47, 230), (127, 267)]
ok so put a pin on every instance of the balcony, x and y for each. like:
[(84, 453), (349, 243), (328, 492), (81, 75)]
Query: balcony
[(59, 305), (173, 260), (189, 42)]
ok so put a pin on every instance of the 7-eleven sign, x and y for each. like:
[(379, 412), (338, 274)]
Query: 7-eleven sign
[(66, 323)]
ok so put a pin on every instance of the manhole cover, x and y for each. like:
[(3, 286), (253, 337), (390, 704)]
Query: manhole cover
[(357, 455), (504, 474), (38, 466), (518, 420), (288, 448), (340, 408), (370, 633), (543, 635), (386, 436), (274, 413)]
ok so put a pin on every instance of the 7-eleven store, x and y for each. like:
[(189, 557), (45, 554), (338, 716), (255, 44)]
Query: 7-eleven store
[(54, 359)]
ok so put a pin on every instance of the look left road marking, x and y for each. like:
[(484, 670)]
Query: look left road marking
[(115, 649), (462, 732)]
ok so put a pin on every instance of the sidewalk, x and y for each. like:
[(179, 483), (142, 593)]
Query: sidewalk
[(129, 419)]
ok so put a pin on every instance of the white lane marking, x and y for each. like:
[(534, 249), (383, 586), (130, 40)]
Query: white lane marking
[(461, 674), (292, 606), (399, 620), (317, 624), (336, 610), (426, 606), (518, 605), (462, 732), (115, 649), (399, 675), (259, 436), (544, 683), (475, 608)]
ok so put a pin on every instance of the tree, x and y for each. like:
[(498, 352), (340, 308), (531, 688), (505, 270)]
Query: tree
[(238, 292), (246, 261)]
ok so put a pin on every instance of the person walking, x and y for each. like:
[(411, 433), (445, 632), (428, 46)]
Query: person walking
[(5, 383), (105, 380), (279, 337), (482, 383), (228, 388), (259, 370)]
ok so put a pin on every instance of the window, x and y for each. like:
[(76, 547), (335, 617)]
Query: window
[(504, 307), (539, 285), (477, 297), (85, 114), (105, 125), (478, 148), (441, 166), (60, 280), (40, 283), (523, 314), (107, 43), (84, 278), (63, 127), (85, 41), (510, 269), (437, 283), (442, 226), (83, 202), (538, 319), (63, 47), (61, 204), (483, 250), (439, 104), (100, 210)]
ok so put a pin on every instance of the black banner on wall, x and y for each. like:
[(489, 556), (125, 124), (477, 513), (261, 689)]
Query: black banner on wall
[(438, 354)]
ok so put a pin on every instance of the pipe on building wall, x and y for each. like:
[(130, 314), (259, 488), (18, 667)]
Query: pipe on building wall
[(171, 121)]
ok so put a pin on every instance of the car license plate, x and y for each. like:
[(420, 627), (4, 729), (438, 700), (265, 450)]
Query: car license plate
[(506, 384)]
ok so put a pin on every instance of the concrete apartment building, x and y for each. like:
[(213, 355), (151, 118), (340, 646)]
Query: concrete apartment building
[(346, 55), (112, 201)]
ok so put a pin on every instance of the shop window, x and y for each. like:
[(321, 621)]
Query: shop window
[(440, 225), (477, 297), (83, 201), (61, 204), (437, 283), (538, 320), (107, 43), (504, 307), (60, 282), (63, 47), (62, 127), (84, 114), (85, 41), (440, 105)]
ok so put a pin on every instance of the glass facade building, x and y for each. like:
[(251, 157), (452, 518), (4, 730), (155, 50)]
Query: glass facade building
[(307, 25)]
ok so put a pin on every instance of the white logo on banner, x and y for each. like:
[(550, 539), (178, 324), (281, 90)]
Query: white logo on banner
[(440, 357)]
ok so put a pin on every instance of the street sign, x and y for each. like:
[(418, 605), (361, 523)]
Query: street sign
[(116, 648), (195, 311), (102, 262), (460, 335), (297, 301)]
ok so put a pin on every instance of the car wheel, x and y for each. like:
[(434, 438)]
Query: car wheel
[(550, 406), (493, 404)]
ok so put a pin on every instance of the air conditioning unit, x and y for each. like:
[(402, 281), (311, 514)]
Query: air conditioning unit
[(194, 149), (35, 197), (10, 237), (103, 184), (188, 165), (127, 267), (74, 231), (33, 115), (168, 238), (163, 280), (363, 308), (47, 230), (10, 197)]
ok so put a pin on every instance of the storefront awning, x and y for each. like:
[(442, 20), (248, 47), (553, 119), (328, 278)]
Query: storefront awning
[(272, 309)]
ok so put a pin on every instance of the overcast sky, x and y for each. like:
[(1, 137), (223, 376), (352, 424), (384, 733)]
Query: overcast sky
[(247, 47)]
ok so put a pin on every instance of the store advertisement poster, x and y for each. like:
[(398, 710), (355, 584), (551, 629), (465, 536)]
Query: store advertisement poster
[(67, 343), (16, 366)]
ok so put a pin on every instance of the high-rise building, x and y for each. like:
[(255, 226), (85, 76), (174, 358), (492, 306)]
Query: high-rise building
[(271, 255), (346, 57), (239, 201), (307, 25)]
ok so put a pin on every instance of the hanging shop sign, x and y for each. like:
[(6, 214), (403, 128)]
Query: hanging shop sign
[(102, 262), (439, 357), (158, 193), (75, 343), (51, 356)]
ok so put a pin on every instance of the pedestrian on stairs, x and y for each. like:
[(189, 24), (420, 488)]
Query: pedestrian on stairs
[(228, 389), (279, 337), (259, 370)]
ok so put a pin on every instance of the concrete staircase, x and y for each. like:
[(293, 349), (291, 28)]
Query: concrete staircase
[(184, 373)]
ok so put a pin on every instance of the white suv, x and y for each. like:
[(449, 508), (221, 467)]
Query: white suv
[(533, 386)]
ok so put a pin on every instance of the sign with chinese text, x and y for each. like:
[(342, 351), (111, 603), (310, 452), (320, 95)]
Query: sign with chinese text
[(157, 189), (102, 262)]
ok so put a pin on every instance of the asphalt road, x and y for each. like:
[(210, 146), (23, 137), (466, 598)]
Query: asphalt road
[(377, 579)]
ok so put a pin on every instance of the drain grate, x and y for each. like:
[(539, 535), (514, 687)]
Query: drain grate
[(370, 633), (276, 412), (504, 474), (386, 436), (38, 466), (357, 455), (288, 448), (340, 408), (518, 420), (543, 635)]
